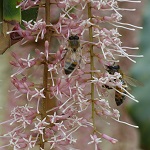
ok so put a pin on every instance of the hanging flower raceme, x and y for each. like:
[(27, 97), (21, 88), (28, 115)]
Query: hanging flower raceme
[(66, 85)]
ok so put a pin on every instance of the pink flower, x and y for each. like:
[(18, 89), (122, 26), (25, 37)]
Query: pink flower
[(23, 86), (110, 139), (22, 64), (95, 140), (40, 126), (23, 114)]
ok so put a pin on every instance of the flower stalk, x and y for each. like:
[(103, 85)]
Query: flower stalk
[(45, 100), (91, 64)]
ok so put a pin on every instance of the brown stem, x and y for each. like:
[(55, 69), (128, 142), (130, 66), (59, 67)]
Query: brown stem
[(46, 103), (91, 64), (44, 106)]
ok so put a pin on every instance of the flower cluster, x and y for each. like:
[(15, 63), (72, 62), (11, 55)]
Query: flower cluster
[(89, 47), (38, 28)]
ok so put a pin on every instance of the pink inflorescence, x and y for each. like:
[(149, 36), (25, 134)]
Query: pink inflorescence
[(73, 93)]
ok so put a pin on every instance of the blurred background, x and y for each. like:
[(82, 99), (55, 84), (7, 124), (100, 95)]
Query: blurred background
[(134, 113), (140, 112)]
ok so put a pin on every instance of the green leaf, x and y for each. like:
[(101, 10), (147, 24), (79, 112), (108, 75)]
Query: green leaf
[(30, 14), (10, 12)]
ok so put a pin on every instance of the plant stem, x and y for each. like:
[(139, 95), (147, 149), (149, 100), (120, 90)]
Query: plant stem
[(44, 101), (47, 18), (92, 65), (45, 73)]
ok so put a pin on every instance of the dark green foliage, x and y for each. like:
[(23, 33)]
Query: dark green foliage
[(30, 14), (10, 12), (9, 15)]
